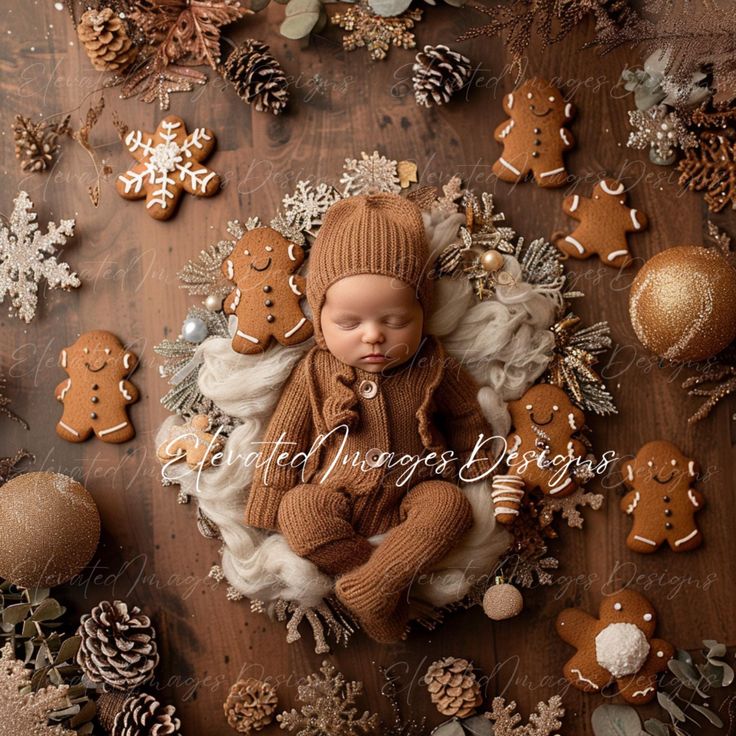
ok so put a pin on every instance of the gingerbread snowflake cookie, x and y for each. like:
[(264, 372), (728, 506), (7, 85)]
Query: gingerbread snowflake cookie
[(97, 392), (605, 219), (535, 138), (268, 291), (543, 450), (617, 646), (661, 500), (169, 163)]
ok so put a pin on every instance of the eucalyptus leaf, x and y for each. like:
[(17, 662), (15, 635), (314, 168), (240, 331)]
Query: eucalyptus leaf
[(615, 720), (715, 648), (29, 628), (712, 673), (16, 613), (671, 707), (36, 595), (27, 651), (389, 8), (301, 17), (684, 656), (655, 727), (684, 673), (68, 649), (708, 713), (449, 728), (478, 726), (48, 610)]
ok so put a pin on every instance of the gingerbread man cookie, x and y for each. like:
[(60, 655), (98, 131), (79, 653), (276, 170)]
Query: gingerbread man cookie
[(661, 499), (191, 442), (535, 138), (618, 645), (542, 451), (268, 291), (97, 392), (169, 163), (604, 221)]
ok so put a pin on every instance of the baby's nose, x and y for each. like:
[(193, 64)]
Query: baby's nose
[(372, 334)]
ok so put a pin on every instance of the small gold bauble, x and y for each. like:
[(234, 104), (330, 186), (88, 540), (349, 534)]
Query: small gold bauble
[(502, 601), (49, 529), (683, 303), (491, 261)]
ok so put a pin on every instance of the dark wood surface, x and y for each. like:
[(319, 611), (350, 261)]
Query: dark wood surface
[(151, 553)]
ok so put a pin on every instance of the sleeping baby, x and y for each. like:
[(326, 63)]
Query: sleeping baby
[(379, 424)]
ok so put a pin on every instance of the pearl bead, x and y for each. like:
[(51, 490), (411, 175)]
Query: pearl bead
[(213, 302), (491, 260), (194, 330)]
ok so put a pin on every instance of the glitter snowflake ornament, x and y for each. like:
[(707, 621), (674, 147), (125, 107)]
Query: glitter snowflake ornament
[(660, 130), (169, 163), (27, 256), (328, 707), (370, 174), (23, 712), (304, 209), (546, 720)]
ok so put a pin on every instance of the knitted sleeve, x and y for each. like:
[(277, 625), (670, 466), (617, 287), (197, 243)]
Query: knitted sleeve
[(291, 428), (462, 421)]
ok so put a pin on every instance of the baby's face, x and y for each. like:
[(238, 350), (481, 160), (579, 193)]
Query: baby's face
[(372, 322)]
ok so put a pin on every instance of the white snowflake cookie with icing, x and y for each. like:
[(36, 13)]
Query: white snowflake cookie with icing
[(169, 163)]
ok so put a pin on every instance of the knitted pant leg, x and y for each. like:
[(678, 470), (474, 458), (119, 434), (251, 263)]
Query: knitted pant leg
[(316, 522), (436, 515)]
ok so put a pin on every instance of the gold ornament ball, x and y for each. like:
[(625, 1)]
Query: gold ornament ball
[(502, 601), (49, 529), (683, 303), (491, 261)]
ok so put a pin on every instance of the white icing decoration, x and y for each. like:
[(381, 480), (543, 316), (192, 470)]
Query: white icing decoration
[(563, 135), (506, 130), (634, 221), (616, 253), (568, 110), (553, 172), (691, 496), (630, 508), (124, 392), (645, 540), (293, 286), (584, 679), (230, 269), (69, 429), (643, 692), (571, 421), (295, 327), (629, 472), (617, 606), (691, 467), (65, 389), (292, 257), (687, 538), (244, 335), (648, 617), (510, 101), (604, 186), (236, 299), (621, 648), (103, 432), (575, 202), (511, 168)]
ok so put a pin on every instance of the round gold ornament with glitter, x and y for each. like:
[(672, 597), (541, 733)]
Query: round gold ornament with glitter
[(683, 303), (49, 529)]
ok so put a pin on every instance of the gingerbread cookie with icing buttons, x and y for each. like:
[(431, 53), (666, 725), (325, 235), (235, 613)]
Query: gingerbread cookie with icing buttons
[(535, 137), (268, 291), (618, 646), (605, 219), (662, 501), (97, 392)]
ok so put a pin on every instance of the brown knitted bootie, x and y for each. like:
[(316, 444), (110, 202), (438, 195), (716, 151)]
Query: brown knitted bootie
[(381, 614), (341, 555)]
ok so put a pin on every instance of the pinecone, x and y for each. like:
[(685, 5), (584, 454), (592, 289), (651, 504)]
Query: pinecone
[(257, 77), (250, 705), (136, 714), (118, 646), (439, 72), (36, 144), (453, 687), (105, 40)]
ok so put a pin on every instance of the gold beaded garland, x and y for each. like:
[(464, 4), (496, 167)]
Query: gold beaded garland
[(49, 529), (683, 303)]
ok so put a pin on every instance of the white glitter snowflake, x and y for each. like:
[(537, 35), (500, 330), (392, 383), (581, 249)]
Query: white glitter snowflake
[(370, 174), (660, 130), (305, 208), (27, 256)]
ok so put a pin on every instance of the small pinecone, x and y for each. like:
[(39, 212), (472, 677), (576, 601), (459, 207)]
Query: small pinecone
[(439, 72), (36, 144), (105, 40), (250, 705), (141, 715), (453, 687), (257, 77), (118, 646)]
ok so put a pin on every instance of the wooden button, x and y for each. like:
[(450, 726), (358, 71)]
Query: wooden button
[(373, 457), (368, 389)]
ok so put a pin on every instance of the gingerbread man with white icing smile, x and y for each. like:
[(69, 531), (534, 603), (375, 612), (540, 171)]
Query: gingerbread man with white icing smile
[(97, 392)]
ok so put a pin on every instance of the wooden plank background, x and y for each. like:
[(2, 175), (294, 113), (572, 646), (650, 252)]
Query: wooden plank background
[(151, 553)]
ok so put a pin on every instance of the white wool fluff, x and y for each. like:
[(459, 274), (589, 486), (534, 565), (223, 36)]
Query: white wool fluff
[(504, 342)]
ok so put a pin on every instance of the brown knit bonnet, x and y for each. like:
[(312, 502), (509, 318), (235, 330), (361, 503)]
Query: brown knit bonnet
[(374, 233)]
